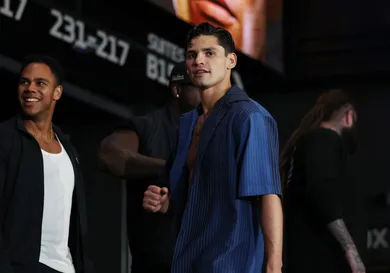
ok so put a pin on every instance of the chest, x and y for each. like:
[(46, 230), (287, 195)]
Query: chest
[(32, 167), (193, 149), (58, 173), (209, 156), (53, 147)]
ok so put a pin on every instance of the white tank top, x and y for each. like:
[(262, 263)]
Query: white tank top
[(58, 184)]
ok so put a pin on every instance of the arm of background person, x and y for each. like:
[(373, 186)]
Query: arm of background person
[(324, 191), (340, 231), (118, 155)]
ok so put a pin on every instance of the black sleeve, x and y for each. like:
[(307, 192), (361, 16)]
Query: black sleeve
[(5, 266), (163, 180), (323, 165), (139, 125)]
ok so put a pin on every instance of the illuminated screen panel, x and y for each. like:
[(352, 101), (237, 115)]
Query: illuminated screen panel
[(256, 25)]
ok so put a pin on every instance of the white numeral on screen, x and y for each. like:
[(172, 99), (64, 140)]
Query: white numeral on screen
[(125, 51), (20, 10), (108, 48), (5, 9), (100, 50), (69, 27), (72, 31), (80, 42), (158, 69), (54, 30), (112, 57)]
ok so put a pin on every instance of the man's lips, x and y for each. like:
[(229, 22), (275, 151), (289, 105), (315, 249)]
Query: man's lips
[(200, 71)]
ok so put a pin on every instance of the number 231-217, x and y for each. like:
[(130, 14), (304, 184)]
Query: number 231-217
[(72, 31)]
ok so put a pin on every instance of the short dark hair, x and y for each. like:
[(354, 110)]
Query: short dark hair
[(224, 37), (54, 65)]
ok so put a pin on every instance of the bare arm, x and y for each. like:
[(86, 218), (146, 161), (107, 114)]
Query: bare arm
[(118, 155), (271, 220), (340, 232)]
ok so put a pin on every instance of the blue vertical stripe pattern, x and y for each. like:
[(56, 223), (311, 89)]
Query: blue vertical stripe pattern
[(237, 161), (259, 166)]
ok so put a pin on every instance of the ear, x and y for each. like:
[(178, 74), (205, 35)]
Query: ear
[(350, 118), (232, 60), (57, 92)]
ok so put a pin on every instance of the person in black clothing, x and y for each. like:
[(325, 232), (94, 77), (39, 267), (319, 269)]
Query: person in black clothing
[(138, 153), (42, 210), (312, 170)]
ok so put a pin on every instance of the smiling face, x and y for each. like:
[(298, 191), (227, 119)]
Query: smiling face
[(207, 62), (38, 90)]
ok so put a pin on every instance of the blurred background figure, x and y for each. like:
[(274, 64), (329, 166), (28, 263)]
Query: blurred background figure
[(313, 166), (137, 151)]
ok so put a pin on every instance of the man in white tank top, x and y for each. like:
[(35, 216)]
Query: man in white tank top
[(43, 217)]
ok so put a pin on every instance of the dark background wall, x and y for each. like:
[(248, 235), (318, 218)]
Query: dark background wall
[(325, 38)]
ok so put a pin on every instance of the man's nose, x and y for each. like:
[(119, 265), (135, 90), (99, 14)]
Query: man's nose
[(199, 60)]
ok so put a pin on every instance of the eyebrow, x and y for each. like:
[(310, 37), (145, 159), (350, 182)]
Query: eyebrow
[(203, 49), (36, 79)]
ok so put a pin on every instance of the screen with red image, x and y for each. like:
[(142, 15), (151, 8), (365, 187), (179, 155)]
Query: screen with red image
[(256, 25)]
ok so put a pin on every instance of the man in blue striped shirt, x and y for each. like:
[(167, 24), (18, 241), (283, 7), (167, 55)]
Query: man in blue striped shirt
[(224, 182)]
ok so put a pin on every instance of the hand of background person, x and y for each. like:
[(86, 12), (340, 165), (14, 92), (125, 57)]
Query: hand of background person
[(355, 262)]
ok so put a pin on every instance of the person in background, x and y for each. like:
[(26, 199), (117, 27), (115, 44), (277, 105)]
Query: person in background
[(137, 152), (315, 190), (42, 211), (224, 180)]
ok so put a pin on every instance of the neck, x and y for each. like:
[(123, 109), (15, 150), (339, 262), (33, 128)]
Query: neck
[(174, 107), (210, 96), (38, 126), (331, 126)]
